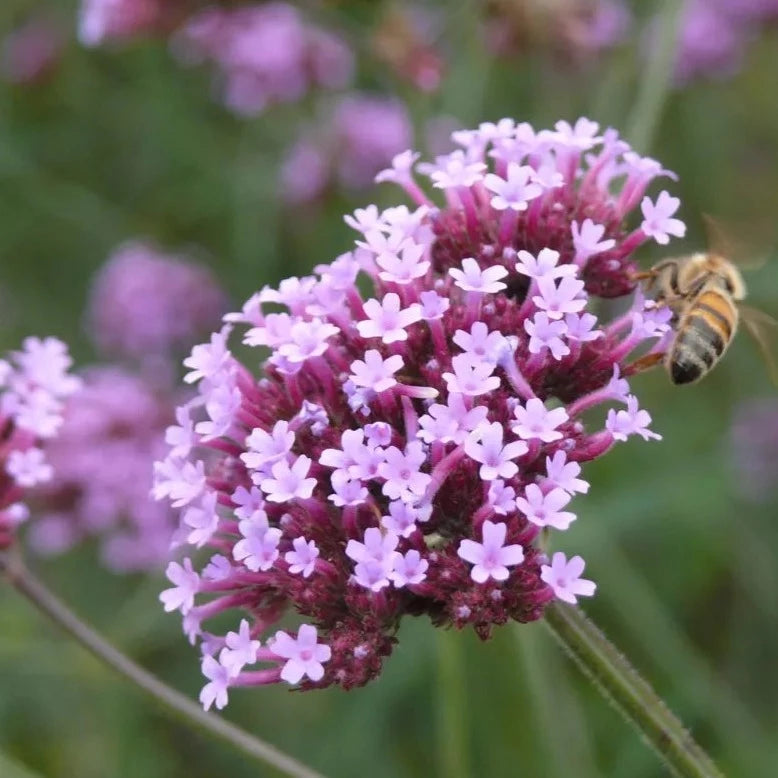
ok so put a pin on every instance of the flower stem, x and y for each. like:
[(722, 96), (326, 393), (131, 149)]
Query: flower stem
[(631, 695), (452, 736), (47, 603), (655, 83)]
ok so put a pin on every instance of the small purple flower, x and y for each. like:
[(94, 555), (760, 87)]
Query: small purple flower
[(535, 421), (387, 320), (564, 475), (514, 192), (485, 445), (28, 468), (304, 654), (375, 372), (546, 264), (471, 278), (302, 560), (409, 569), (632, 421), (564, 577), (258, 548), (215, 691), (240, 649), (545, 333), (186, 584), (544, 510), (558, 299), (491, 558), (587, 241), (289, 482), (402, 471), (657, 218), (471, 377)]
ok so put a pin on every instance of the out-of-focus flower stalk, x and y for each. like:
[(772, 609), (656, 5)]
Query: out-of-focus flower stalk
[(16, 573)]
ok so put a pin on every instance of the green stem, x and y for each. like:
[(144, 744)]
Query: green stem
[(655, 84), (47, 603), (453, 759), (631, 695)]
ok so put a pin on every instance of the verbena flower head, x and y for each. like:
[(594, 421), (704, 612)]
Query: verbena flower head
[(113, 427), (146, 305), (402, 449), (34, 382), (264, 54)]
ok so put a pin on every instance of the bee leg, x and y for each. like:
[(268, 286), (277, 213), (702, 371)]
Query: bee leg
[(646, 362), (643, 275)]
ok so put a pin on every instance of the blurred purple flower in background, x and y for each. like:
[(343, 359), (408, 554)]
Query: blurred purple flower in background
[(113, 429), (101, 21), (359, 137), (401, 452), (407, 39), (754, 449), (264, 54), (148, 306), (34, 384), (714, 36), (32, 51), (571, 29)]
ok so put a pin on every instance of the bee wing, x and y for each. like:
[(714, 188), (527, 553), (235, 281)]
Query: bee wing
[(748, 248), (763, 328)]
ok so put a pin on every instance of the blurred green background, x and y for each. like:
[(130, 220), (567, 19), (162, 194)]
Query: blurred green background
[(122, 142)]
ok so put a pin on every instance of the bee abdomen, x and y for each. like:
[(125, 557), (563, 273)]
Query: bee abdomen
[(702, 337)]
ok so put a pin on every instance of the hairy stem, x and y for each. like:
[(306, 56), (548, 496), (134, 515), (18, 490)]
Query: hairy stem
[(47, 603), (615, 677)]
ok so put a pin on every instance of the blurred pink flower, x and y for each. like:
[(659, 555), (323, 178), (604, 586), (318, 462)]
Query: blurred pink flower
[(34, 385), (101, 21), (113, 429), (263, 54), (348, 147), (32, 51), (147, 305)]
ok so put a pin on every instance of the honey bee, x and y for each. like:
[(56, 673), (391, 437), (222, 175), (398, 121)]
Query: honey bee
[(705, 293)]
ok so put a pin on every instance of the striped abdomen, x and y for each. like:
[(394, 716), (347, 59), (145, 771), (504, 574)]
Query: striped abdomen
[(702, 337)]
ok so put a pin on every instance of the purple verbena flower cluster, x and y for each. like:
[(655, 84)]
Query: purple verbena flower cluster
[(149, 306), (264, 54), (113, 428), (34, 383), (349, 146), (715, 34), (404, 451)]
